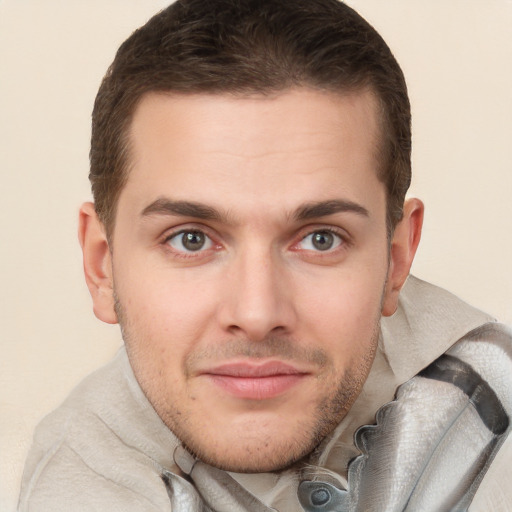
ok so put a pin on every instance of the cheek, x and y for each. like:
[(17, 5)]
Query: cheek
[(346, 300), (166, 313), (343, 316)]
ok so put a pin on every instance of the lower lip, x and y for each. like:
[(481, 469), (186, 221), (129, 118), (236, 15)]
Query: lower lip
[(257, 388)]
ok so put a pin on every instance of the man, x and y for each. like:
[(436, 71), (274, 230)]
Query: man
[(250, 234)]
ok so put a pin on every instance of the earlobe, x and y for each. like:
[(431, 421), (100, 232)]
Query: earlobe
[(406, 238), (97, 263)]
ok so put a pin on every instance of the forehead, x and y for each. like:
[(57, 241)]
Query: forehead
[(301, 141), (301, 112)]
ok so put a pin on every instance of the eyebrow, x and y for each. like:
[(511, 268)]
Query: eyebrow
[(164, 206), (325, 208)]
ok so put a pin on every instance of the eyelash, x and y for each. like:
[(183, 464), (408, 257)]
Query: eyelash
[(344, 242), (184, 254), (343, 238)]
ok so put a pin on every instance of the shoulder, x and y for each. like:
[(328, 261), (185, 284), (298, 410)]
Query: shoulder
[(64, 481), (428, 321), (92, 452), (437, 334), (495, 491), (480, 366)]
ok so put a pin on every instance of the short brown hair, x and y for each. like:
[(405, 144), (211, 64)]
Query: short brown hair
[(247, 47)]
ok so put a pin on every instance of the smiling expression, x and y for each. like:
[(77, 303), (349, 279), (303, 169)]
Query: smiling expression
[(250, 258)]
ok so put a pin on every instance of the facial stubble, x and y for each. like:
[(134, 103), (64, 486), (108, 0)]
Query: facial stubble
[(263, 457)]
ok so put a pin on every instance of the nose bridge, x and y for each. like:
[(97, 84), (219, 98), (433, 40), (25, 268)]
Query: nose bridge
[(258, 301)]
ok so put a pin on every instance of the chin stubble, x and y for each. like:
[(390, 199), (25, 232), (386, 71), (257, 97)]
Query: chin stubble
[(307, 435)]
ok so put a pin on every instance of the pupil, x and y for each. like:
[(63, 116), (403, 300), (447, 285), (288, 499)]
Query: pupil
[(193, 241), (323, 240)]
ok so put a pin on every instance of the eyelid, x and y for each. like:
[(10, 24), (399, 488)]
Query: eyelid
[(186, 228), (336, 241), (176, 236), (345, 238)]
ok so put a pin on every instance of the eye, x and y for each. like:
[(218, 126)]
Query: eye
[(190, 241), (323, 240)]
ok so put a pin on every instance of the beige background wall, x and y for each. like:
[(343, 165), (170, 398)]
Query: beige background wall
[(457, 56)]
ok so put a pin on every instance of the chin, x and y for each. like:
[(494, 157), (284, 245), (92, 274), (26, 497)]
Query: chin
[(261, 453), (248, 460)]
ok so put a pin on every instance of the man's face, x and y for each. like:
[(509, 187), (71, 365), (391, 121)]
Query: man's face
[(249, 260)]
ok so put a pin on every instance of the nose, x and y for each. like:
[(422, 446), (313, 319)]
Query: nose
[(258, 297)]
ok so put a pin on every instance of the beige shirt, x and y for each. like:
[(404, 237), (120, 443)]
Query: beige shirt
[(105, 448)]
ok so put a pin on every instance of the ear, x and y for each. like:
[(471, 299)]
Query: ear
[(97, 263), (404, 243)]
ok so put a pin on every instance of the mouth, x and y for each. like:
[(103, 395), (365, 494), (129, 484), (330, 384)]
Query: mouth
[(255, 381)]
